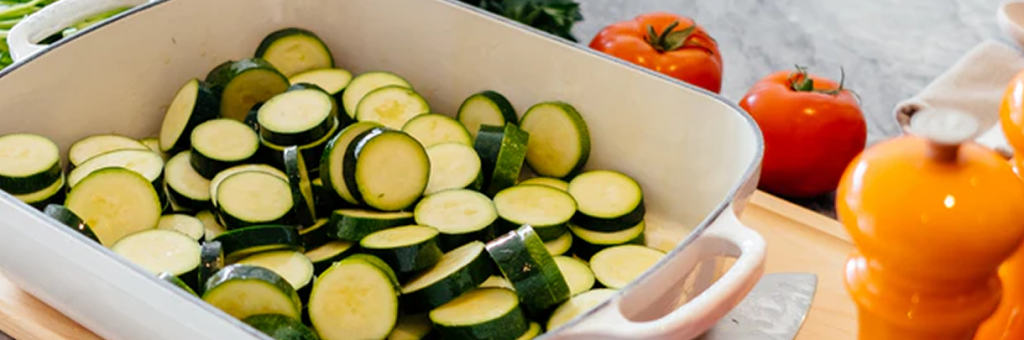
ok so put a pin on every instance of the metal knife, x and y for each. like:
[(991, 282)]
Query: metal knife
[(774, 310)]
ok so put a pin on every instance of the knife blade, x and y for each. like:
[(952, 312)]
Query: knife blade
[(774, 310)]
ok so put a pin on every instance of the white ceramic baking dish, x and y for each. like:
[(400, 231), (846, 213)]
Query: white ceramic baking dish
[(696, 155)]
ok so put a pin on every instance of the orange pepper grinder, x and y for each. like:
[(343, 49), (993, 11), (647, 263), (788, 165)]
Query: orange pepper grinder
[(932, 215)]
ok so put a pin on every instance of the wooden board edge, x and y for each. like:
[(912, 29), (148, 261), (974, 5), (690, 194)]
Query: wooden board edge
[(800, 215)]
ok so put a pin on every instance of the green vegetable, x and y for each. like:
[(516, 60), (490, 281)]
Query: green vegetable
[(553, 16)]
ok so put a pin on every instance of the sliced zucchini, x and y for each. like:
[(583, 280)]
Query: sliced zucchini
[(577, 274), (293, 50), (392, 106), (185, 224), (560, 245), (115, 202), (281, 327), (253, 197), (293, 266), (28, 163), (243, 290), (296, 117), (153, 143), (616, 267), (311, 153), (54, 193), (211, 225), (217, 180), (194, 104), (325, 198), (405, 249), (589, 242), (303, 206), (187, 188), (607, 200), (502, 151), (548, 181), (88, 147), (533, 332), (162, 251), (244, 83), (484, 313), (326, 255), (146, 163), (332, 80), (486, 108), (366, 82), (560, 140), (412, 327), (238, 244), (367, 288), (211, 257), (522, 258), (315, 235), (355, 224), (174, 280), (252, 118), (497, 281), (220, 144), (546, 209), (460, 215), (578, 305), (453, 166), (332, 165), (459, 271), (433, 129), (374, 162), (68, 218)]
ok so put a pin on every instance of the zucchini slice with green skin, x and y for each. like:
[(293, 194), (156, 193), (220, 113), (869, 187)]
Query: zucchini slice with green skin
[(531, 333), (185, 224), (433, 129), (332, 165), (162, 251), (293, 50), (193, 104), (577, 274), (28, 163), (243, 83), (174, 280), (303, 207), (88, 147), (114, 214), (453, 166), (391, 106), (146, 163), (373, 162), (486, 108), (546, 209), (53, 194), (243, 290), (221, 176), (280, 327), (311, 153), (607, 200), (502, 151), (412, 327), (314, 87), (547, 181), (254, 197), (293, 266), (355, 224), (238, 244), (522, 258), (68, 218), (187, 188), (211, 257), (315, 235), (615, 267), (560, 140), (296, 117), (484, 313), (459, 271), (560, 245), (326, 199), (326, 255), (366, 82), (497, 281), (589, 242), (220, 144), (578, 305), (405, 249), (460, 215), (153, 143), (354, 281), (211, 224), (331, 80)]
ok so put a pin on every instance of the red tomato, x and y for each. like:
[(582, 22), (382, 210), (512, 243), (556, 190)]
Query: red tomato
[(812, 129), (667, 43)]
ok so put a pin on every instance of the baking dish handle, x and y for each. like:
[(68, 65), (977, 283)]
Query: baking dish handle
[(25, 36), (649, 309)]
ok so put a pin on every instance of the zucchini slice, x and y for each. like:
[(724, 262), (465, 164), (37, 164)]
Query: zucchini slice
[(560, 245), (374, 162), (326, 255), (253, 197), (194, 104), (533, 332), (460, 215), (115, 202), (293, 50), (544, 208), (616, 267), (243, 290), (355, 224), (281, 327), (314, 87), (28, 163), (560, 143), (332, 165), (303, 206), (412, 327), (486, 108), (221, 176), (220, 144), (185, 224), (459, 271), (162, 251), (502, 151), (49, 195), (187, 188), (211, 225), (577, 274), (244, 83), (314, 235), (453, 166), (607, 200), (246, 241), (311, 153), (325, 198), (146, 163), (291, 265), (153, 143), (578, 305), (68, 218), (174, 280), (497, 281), (589, 242), (88, 147), (484, 313), (331, 80), (522, 258), (367, 287), (296, 117), (405, 249), (547, 181), (211, 257), (366, 82), (433, 129), (391, 106)]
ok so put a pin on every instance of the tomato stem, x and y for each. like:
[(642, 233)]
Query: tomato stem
[(800, 81), (668, 41)]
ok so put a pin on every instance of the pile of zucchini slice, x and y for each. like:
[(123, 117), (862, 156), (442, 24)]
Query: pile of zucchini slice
[(312, 203)]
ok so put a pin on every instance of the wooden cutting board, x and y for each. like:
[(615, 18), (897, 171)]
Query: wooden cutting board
[(799, 240)]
